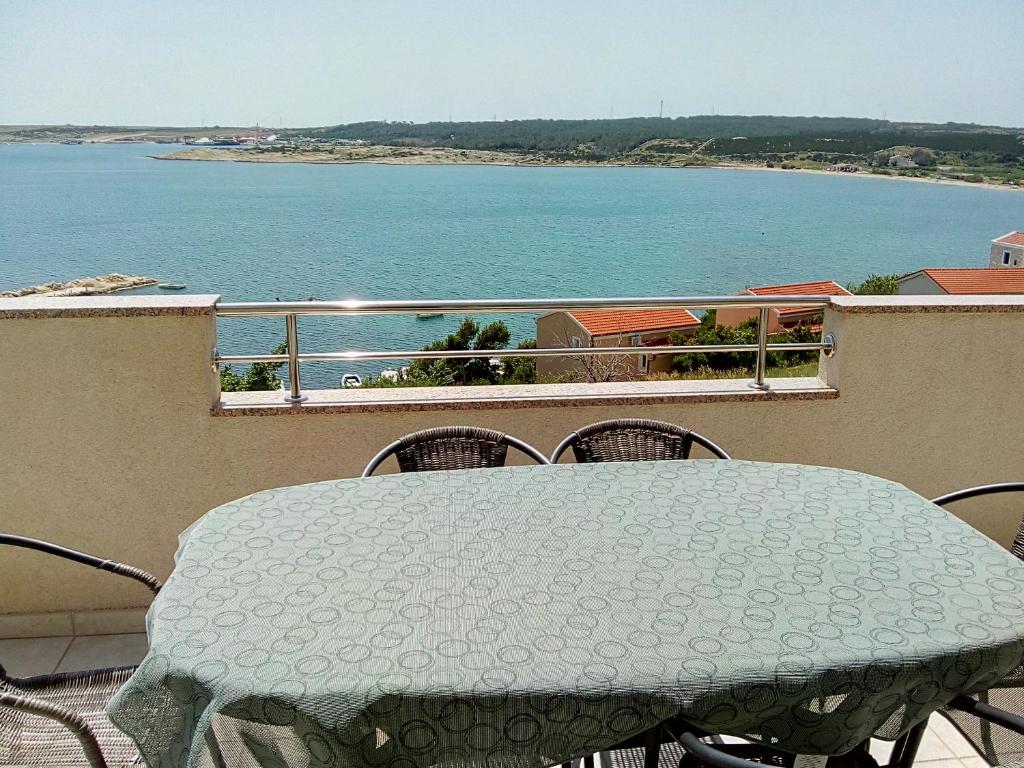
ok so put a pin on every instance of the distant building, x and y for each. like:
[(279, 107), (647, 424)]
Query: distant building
[(1007, 251), (959, 282), (899, 161), (645, 329), (782, 319)]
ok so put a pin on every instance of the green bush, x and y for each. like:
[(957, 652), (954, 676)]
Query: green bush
[(745, 333), (257, 377), (875, 285)]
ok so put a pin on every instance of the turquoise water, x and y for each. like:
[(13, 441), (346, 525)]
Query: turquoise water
[(260, 232)]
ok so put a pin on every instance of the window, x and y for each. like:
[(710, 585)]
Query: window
[(1006, 257), (576, 342), (634, 340), (642, 364)]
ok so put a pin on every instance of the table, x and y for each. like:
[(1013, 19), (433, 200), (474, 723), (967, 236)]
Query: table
[(524, 616)]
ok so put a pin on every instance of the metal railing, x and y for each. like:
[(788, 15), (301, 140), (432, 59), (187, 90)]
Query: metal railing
[(291, 310)]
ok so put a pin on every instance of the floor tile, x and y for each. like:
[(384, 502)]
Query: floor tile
[(880, 750), (951, 737), (99, 651), (24, 657), (933, 748)]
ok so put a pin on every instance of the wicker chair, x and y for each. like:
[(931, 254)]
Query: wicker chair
[(999, 741), (633, 440), (987, 490), (60, 719), (699, 754), (452, 448)]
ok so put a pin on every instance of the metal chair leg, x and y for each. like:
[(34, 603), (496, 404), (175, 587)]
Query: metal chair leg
[(905, 749), (652, 747)]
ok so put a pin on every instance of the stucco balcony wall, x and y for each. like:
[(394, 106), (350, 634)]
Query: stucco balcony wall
[(114, 436)]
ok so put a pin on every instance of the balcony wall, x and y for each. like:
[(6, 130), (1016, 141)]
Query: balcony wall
[(113, 436)]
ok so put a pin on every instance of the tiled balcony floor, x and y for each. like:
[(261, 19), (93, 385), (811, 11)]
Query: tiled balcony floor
[(943, 746)]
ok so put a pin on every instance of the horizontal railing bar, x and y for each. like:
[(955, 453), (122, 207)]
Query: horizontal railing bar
[(456, 306), (455, 354)]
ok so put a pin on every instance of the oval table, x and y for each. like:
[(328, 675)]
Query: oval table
[(529, 615)]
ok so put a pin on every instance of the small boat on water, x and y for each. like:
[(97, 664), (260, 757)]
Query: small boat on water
[(170, 286), (428, 315), (351, 380)]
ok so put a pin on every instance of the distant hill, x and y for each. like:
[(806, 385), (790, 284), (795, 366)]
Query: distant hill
[(605, 138)]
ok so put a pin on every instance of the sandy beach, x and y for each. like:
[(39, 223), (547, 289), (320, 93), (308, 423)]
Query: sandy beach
[(391, 155)]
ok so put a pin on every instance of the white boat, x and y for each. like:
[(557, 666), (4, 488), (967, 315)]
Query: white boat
[(351, 381), (428, 315), (170, 286)]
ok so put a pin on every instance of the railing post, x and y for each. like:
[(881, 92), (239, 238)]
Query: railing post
[(762, 349), (291, 327)]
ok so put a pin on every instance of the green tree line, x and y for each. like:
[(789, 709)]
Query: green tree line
[(733, 134)]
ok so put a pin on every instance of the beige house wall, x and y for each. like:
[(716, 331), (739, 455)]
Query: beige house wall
[(919, 285), (996, 255), (556, 329), (733, 316), (109, 443)]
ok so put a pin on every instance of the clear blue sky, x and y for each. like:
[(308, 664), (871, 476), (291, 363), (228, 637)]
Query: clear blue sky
[(189, 62)]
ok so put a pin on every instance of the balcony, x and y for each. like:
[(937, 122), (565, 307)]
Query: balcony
[(116, 437)]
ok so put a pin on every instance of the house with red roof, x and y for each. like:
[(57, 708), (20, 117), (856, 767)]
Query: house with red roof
[(645, 329), (782, 319), (1008, 250), (960, 282)]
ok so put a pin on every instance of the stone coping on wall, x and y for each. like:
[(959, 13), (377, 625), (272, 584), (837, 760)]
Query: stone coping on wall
[(181, 305), (401, 399), (980, 303), (43, 307)]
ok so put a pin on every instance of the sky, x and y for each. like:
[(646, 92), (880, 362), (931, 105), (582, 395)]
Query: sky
[(297, 64)]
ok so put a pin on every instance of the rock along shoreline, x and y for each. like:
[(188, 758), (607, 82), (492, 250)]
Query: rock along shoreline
[(83, 286)]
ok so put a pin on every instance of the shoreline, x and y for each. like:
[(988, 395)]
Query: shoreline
[(444, 156), (866, 175)]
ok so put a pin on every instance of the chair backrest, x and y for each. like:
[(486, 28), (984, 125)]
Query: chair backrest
[(452, 448), (987, 490), (633, 440), (998, 745)]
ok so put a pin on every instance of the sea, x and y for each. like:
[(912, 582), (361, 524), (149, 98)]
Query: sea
[(261, 232)]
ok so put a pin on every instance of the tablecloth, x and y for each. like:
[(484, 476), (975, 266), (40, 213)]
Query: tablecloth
[(524, 616)]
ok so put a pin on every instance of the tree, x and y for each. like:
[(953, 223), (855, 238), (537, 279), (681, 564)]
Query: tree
[(744, 333), (710, 332), (258, 377), (875, 285), (592, 369), (521, 370), (923, 156), (469, 336)]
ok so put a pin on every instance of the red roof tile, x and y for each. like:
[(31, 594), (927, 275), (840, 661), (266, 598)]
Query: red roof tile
[(816, 288), (616, 322), (1013, 238), (980, 280)]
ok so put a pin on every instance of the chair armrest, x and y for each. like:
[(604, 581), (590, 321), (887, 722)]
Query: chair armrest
[(987, 712), (70, 720), (121, 569)]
